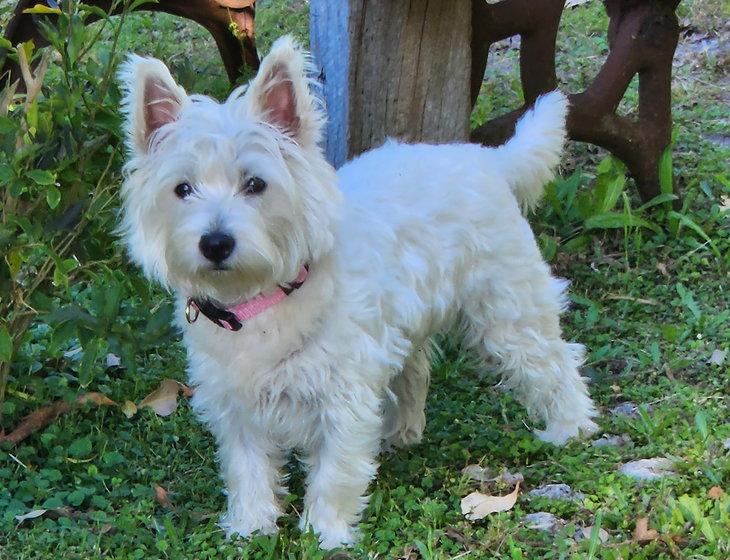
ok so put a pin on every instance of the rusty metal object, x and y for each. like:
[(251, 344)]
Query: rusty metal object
[(642, 36), (217, 16)]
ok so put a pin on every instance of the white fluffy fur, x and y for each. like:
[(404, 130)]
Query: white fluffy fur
[(402, 242)]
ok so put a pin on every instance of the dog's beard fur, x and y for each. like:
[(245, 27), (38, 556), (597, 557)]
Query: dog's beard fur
[(426, 236)]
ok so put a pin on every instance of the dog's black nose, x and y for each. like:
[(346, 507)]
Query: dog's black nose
[(216, 246)]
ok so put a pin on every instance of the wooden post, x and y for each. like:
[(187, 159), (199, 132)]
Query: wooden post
[(392, 69)]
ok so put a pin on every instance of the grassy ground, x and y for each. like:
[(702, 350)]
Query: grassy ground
[(651, 308)]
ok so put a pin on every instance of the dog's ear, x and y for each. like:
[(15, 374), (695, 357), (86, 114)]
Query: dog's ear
[(280, 93), (152, 99)]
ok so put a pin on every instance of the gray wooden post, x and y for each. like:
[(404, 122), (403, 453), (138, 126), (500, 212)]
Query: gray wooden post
[(391, 68)]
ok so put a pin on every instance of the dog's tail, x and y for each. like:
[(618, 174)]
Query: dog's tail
[(530, 156)]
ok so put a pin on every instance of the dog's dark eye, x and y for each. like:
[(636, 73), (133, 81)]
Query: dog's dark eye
[(183, 190), (254, 185)]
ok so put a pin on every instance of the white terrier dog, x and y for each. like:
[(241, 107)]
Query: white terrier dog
[(318, 291)]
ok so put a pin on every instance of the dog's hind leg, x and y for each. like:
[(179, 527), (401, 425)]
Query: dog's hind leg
[(514, 316), (405, 415)]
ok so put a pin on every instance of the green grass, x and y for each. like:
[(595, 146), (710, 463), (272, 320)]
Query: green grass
[(651, 309)]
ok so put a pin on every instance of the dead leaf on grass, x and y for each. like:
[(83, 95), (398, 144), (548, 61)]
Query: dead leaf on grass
[(129, 409), (33, 514), (43, 416), (161, 497), (162, 400), (642, 533), (648, 469), (187, 392), (457, 536), (95, 398), (715, 493), (476, 505)]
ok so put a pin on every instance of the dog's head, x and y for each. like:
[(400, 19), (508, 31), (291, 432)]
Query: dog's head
[(226, 199)]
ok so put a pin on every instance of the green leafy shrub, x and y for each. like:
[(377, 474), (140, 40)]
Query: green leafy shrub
[(60, 159), (572, 215)]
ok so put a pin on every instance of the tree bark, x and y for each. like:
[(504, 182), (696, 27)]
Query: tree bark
[(393, 69)]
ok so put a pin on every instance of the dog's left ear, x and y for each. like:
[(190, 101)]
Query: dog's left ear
[(280, 94), (152, 99)]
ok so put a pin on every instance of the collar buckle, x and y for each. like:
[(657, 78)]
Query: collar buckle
[(192, 311)]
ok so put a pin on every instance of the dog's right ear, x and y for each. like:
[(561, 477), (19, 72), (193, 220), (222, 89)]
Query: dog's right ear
[(152, 99)]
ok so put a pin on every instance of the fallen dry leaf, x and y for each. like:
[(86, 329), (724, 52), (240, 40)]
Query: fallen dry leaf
[(642, 533), (457, 536), (42, 417), (662, 268), (161, 497), (648, 469), (30, 515), (162, 400), (476, 505), (409, 553), (129, 409), (95, 398), (715, 492), (187, 392)]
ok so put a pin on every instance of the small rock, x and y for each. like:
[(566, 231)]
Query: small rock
[(556, 492), (582, 533), (726, 443), (112, 360), (543, 521), (648, 469), (511, 478), (718, 357), (628, 409), (482, 474), (613, 441)]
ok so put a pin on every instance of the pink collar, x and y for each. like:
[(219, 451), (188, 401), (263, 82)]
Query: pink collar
[(232, 318)]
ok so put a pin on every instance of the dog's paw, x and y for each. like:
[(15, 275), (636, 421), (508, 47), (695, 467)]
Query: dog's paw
[(332, 534), (558, 433), (244, 525), (403, 437)]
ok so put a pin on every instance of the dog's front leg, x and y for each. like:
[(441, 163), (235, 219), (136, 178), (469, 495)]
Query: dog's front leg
[(250, 466), (342, 464)]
